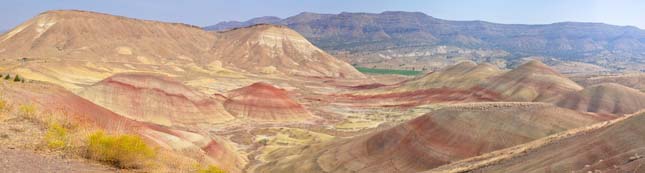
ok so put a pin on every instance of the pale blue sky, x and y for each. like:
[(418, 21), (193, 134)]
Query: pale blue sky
[(207, 12)]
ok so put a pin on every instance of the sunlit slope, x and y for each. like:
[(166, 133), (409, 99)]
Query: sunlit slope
[(437, 138)]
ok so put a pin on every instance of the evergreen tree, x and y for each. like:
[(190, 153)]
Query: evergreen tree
[(7, 77), (16, 79)]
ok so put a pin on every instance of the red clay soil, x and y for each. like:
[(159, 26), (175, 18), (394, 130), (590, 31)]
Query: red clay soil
[(262, 101), (419, 97), (367, 86), (157, 99), (51, 98)]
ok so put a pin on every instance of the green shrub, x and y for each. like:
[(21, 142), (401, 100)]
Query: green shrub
[(264, 141), (17, 79), (7, 77), (123, 151), (56, 136), (211, 169)]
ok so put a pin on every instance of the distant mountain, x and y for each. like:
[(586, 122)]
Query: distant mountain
[(235, 24), (405, 39)]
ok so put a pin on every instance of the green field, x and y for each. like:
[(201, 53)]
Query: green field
[(388, 71)]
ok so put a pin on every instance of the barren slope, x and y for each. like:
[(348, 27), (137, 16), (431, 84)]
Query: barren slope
[(277, 49), (464, 75), (636, 81), (437, 138), (532, 81), (59, 46), (468, 82), (51, 98), (616, 146), (606, 98), (95, 37), (157, 99)]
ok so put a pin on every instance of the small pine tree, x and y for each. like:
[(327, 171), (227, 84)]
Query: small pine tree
[(16, 79), (7, 77)]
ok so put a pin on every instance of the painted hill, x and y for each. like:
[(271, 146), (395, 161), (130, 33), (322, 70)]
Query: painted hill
[(437, 138), (464, 75), (157, 99), (636, 81), (55, 43), (468, 82), (95, 37), (395, 37), (264, 102), (532, 81), (615, 146), (606, 98), (52, 98), (277, 49)]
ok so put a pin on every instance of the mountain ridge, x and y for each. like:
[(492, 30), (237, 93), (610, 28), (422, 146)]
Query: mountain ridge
[(368, 37)]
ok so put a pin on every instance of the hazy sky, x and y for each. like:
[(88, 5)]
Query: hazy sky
[(207, 12)]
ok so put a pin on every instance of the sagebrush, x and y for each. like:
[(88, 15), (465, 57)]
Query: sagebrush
[(123, 151)]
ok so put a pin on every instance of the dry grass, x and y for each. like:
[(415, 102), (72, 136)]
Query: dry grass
[(57, 137), (27, 111), (169, 161), (3, 105), (4, 108), (211, 169)]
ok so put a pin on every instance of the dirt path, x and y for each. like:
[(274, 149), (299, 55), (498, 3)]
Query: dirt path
[(18, 161)]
